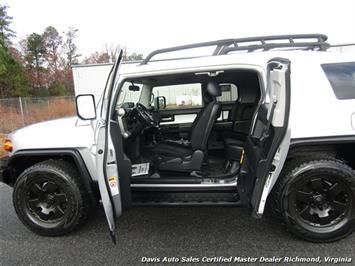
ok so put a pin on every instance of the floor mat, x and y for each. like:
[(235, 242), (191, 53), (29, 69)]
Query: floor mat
[(216, 166)]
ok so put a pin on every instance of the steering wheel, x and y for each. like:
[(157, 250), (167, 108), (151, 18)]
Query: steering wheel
[(144, 115)]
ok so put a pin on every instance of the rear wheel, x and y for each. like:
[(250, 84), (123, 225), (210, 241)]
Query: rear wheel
[(50, 199), (316, 199)]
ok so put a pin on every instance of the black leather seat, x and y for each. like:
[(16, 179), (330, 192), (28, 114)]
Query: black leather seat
[(242, 111), (171, 149), (234, 148), (187, 156)]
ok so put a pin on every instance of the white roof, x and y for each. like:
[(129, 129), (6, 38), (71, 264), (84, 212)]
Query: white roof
[(252, 59)]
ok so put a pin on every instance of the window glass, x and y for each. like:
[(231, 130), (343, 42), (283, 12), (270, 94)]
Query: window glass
[(342, 79), (127, 95), (180, 96), (229, 92)]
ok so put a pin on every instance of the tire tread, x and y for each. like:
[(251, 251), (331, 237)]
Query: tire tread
[(70, 171), (274, 203)]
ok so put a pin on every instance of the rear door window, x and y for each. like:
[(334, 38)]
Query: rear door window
[(342, 79), (180, 96)]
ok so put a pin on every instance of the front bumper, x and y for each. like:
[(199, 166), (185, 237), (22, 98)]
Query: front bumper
[(4, 170)]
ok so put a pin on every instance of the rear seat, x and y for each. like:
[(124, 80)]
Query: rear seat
[(234, 148)]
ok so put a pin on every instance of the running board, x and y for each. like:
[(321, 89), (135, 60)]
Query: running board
[(204, 185), (185, 199)]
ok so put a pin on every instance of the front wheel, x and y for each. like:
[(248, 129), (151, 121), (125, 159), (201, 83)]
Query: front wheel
[(50, 199), (317, 199)]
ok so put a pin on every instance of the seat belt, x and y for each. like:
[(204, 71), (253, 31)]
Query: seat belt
[(234, 115)]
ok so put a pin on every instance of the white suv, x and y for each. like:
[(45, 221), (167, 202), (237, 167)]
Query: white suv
[(264, 122)]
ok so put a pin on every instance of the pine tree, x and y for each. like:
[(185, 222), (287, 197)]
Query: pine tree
[(6, 33)]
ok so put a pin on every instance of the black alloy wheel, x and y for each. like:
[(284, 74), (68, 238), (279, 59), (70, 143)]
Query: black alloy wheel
[(46, 202), (50, 198), (315, 197), (321, 201)]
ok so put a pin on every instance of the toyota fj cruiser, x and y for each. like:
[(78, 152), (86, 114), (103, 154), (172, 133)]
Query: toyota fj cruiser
[(264, 122)]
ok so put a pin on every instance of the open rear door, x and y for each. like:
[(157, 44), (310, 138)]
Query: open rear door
[(110, 157), (267, 145)]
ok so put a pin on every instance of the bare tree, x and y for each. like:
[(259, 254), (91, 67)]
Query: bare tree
[(53, 41), (70, 47), (112, 50), (98, 58)]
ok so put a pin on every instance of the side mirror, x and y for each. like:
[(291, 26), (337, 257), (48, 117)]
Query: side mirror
[(160, 102), (85, 106)]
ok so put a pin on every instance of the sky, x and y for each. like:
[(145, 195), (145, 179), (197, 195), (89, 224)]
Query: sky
[(143, 25)]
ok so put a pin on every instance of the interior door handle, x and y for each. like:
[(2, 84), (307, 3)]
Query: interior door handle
[(167, 119)]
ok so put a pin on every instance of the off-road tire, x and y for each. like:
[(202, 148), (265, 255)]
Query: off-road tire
[(299, 168), (65, 176)]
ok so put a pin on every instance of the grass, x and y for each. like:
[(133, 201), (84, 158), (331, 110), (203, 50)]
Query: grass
[(34, 111)]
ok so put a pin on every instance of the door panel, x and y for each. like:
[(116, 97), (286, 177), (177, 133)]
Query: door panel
[(270, 125), (108, 157), (177, 116), (108, 188), (123, 163), (177, 119), (176, 123), (166, 119), (175, 131)]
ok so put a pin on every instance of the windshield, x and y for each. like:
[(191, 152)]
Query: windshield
[(110, 84), (129, 96)]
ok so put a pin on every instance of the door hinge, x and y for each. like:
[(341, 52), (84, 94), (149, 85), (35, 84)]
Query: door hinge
[(102, 122)]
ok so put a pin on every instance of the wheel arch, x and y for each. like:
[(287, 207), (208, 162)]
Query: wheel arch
[(23, 159), (341, 147)]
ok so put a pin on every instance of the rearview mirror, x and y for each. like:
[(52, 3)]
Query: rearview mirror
[(85, 106), (134, 88), (160, 102)]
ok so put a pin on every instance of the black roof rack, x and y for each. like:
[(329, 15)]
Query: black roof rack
[(264, 43)]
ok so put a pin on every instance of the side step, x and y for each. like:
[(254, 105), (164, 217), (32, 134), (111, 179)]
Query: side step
[(154, 198)]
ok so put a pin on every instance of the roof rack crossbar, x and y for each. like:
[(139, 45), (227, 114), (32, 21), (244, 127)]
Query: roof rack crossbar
[(224, 46)]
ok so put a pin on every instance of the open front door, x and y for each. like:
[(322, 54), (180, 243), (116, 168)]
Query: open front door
[(267, 145), (110, 158)]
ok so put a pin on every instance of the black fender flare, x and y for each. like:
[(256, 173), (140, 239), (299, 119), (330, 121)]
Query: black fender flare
[(37, 155), (322, 140)]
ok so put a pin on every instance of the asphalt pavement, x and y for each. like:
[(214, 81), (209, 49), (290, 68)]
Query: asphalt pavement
[(154, 233)]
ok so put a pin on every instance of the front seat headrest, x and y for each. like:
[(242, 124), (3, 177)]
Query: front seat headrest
[(214, 89)]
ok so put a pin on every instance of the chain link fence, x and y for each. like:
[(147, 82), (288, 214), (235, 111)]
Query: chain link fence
[(21, 111)]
